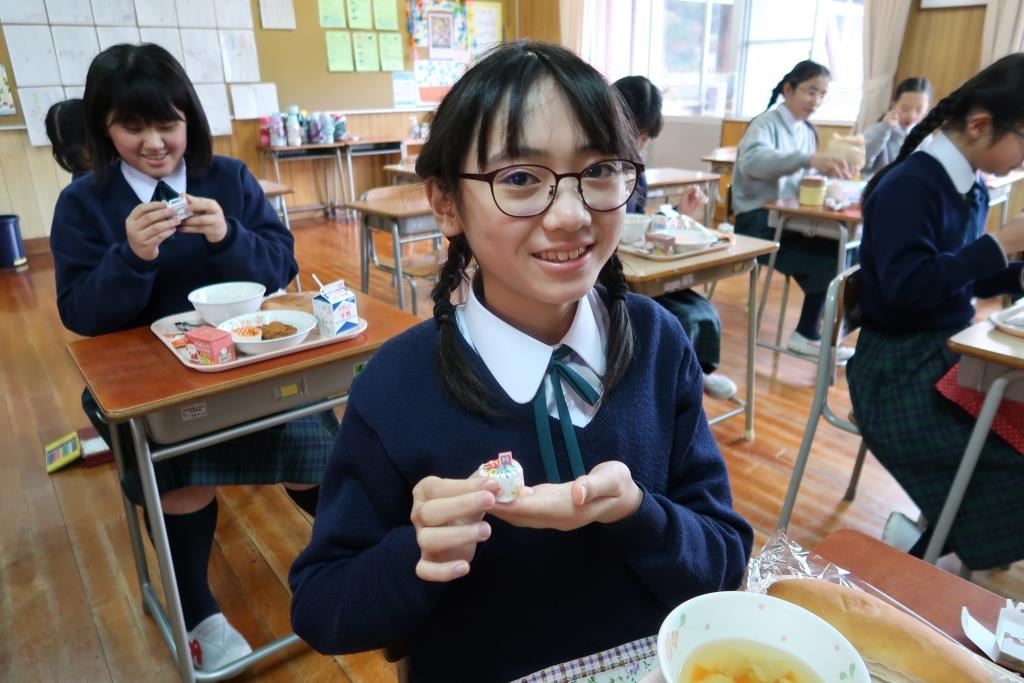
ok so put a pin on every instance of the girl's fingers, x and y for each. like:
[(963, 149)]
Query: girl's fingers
[(441, 571), (442, 511), (439, 539)]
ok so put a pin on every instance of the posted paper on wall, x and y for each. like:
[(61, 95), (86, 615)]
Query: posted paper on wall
[(73, 12), (238, 49), (277, 14), (22, 12), (483, 25), (113, 12), (233, 14), (339, 51), (167, 38), (6, 96), (332, 13), (364, 50), (253, 100), (35, 102), (157, 13), (385, 15), (214, 99), (196, 14), (360, 14), (115, 35), (75, 47), (202, 55), (391, 56), (32, 55)]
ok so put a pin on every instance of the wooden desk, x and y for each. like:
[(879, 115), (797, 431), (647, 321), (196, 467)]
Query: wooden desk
[(999, 189), (999, 359), (788, 214), (722, 160), (407, 216), (673, 182), (133, 378), (655, 278), (403, 172), (933, 594)]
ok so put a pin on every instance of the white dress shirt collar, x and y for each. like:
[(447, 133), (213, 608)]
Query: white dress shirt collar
[(145, 185), (788, 120), (953, 161), (519, 362)]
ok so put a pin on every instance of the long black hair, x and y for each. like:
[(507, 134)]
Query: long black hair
[(803, 71), (997, 89), (498, 85), (65, 126), (914, 84), (131, 83), (644, 101)]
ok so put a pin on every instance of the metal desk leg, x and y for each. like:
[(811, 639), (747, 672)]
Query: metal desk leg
[(351, 176), (132, 517), (277, 168), (748, 431), (179, 641), (843, 237), (365, 235), (709, 208), (769, 271), (993, 398), (396, 247)]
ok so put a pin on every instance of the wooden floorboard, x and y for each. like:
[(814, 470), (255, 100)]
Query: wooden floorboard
[(69, 601)]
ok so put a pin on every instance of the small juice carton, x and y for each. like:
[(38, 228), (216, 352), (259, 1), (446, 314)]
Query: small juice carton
[(661, 244), (335, 309), (209, 346)]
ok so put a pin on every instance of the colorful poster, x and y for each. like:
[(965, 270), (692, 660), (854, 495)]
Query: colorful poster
[(332, 14), (385, 15), (339, 51), (6, 96), (364, 46), (418, 25), (391, 57), (403, 88), (360, 14), (483, 21), (441, 36), (434, 78)]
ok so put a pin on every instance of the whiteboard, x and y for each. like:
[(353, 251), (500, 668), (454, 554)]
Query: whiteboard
[(22, 12), (113, 12), (34, 103), (238, 49), (202, 55), (214, 99), (159, 13), (234, 14), (32, 55), (76, 46), (115, 35), (69, 12), (167, 38), (196, 14)]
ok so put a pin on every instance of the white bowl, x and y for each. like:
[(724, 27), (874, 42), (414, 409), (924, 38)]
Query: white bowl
[(217, 303), (634, 227), (732, 615), (301, 321), (689, 239)]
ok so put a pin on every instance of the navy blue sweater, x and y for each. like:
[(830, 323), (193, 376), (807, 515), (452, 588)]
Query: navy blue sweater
[(533, 598), (919, 271), (102, 286)]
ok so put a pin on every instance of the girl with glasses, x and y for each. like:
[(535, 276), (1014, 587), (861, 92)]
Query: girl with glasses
[(696, 314), (595, 391), (882, 141), (778, 148), (924, 257)]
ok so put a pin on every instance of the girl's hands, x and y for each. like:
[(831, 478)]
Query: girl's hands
[(831, 165), (607, 494), (1011, 235), (147, 226), (892, 119), (448, 517), (207, 219), (693, 200)]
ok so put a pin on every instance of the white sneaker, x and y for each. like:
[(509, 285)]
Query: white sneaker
[(719, 386), (215, 642), (803, 346), (901, 532)]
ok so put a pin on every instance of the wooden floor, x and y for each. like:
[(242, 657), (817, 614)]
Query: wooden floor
[(69, 604)]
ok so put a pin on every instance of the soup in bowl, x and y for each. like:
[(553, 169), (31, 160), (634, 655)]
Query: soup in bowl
[(737, 637)]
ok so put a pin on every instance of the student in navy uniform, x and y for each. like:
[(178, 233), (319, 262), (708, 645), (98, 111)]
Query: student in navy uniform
[(629, 511), (123, 261), (696, 314), (65, 127), (883, 140), (777, 149), (924, 257)]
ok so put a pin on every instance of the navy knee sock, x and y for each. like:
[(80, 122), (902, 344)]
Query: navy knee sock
[(809, 324), (190, 537), (305, 498)]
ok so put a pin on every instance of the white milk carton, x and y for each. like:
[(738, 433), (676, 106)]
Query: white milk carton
[(335, 309)]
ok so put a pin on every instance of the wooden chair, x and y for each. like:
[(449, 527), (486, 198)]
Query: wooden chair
[(842, 317)]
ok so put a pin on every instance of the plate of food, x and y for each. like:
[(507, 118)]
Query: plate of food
[(266, 331), (1010, 320)]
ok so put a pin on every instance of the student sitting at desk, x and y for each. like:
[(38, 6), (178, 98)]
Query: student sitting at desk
[(696, 314), (65, 127), (924, 257), (882, 141), (777, 148), (123, 260), (529, 166)]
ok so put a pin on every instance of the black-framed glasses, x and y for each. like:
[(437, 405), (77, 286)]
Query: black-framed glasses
[(525, 190)]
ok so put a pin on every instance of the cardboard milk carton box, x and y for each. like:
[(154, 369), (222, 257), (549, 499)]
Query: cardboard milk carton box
[(335, 309), (209, 346)]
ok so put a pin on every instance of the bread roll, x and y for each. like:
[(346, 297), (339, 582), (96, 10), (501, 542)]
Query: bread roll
[(290, 302), (886, 637)]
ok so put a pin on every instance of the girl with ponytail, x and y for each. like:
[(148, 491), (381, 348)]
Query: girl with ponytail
[(777, 149), (595, 391), (924, 257), (882, 140)]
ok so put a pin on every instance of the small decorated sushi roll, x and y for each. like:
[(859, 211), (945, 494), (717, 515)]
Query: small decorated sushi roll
[(509, 475)]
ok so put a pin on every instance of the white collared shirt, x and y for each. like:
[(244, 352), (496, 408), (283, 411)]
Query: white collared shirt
[(519, 362), (790, 121), (145, 185)]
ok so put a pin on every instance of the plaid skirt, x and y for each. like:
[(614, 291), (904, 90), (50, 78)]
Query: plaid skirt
[(811, 261), (293, 452), (920, 437), (701, 323)]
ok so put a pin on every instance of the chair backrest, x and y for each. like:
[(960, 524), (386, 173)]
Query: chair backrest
[(842, 306)]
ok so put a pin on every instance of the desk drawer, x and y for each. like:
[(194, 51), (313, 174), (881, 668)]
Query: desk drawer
[(978, 375), (406, 226), (232, 408)]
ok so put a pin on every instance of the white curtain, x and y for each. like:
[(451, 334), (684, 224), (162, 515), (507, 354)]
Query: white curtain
[(570, 16), (885, 22), (1004, 30)]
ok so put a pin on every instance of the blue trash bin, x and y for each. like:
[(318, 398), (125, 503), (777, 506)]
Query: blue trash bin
[(12, 252)]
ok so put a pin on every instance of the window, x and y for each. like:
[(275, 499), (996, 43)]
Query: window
[(724, 57)]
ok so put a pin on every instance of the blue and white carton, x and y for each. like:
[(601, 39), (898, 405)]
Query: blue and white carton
[(335, 309)]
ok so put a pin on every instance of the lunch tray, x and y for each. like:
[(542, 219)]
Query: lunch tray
[(999, 319), (633, 250), (165, 329)]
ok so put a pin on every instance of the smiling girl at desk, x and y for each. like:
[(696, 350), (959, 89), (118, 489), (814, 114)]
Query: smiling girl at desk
[(924, 257), (777, 148), (529, 166), (123, 260)]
